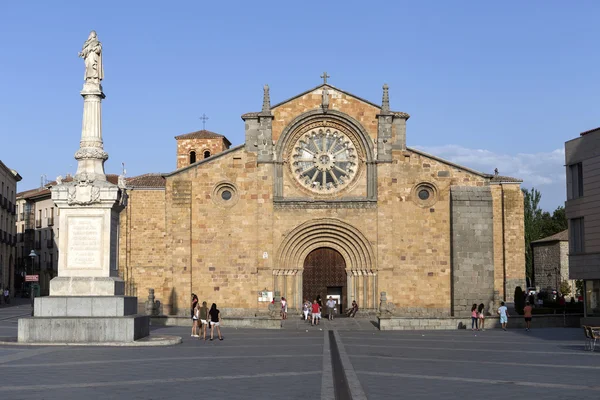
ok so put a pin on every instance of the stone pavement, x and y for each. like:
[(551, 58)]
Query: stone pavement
[(295, 364)]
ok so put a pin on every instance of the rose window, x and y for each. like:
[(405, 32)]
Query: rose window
[(324, 160)]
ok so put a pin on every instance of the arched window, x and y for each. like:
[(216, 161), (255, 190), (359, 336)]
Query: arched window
[(192, 157), (206, 154)]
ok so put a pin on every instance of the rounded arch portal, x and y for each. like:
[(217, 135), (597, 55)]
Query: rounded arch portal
[(359, 261)]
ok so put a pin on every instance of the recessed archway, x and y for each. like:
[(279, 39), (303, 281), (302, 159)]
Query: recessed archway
[(324, 275)]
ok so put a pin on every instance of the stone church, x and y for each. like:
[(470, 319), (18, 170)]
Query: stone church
[(323, 198)]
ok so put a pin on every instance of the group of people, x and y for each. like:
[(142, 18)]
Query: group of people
[(312, 311), (202, 317), (478, 316)]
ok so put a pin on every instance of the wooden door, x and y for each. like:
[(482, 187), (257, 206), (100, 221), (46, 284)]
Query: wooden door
[(323, 268)]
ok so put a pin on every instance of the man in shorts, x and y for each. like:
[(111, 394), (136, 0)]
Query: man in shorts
[(503, 312), (316, 313), (330, 308)]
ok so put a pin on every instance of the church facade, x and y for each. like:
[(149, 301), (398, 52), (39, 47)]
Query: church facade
[(323, 198)]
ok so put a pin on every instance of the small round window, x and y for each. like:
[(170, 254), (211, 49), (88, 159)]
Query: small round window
[(424, 194), (226, 195)]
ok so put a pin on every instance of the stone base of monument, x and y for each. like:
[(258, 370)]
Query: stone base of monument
[(84, 319)]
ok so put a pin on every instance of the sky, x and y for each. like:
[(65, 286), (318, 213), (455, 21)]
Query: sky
[(487, 84)]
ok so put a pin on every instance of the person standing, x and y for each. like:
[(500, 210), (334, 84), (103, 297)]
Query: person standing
[(330, 307), (481, 315), (527, 310), (503, 312), (203, 322), (315, 313), (193, 312), (305, 308), (474, 318), (283, 308), (6, 296), (195, 318), (215, 320)]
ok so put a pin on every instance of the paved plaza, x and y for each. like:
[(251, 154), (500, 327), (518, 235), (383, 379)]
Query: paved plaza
[(297, 363)]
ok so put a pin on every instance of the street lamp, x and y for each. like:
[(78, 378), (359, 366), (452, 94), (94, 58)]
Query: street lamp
[(32, 255)]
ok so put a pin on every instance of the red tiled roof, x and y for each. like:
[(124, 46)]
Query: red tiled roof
[(203, 134), (557, 237), (500, 178), (45, 190), (146, 181), (589, 131)]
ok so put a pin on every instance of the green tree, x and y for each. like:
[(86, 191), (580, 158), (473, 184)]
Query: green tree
[(565, 288), (532, 217), (539, 224)]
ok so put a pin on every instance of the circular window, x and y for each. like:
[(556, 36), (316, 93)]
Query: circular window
[(324, 160), (424, 194), (225, 194)]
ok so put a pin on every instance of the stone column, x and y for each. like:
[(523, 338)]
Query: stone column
[(299, 288), (349, 293), (87, 301), (365, 288)]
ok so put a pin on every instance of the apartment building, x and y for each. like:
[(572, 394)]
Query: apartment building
[(37, 235), (8, 239), (582, 160)]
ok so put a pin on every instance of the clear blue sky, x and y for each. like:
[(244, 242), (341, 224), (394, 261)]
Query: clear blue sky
[(487, 84)]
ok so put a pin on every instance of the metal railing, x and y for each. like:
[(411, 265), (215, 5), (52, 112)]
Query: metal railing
[(50, 221), (50, 243), (38, 245), (38, 223)]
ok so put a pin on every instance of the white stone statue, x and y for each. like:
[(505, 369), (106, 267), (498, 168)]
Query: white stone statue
[(92, 55), (59, 180)]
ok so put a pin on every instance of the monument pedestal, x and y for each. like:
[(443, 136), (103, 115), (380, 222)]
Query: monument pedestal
[(84, 319), (87, 302)]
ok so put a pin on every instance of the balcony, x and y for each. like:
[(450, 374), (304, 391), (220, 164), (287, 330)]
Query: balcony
[(38, 223), (9, 239), (14, 240), (48, 264), (38, 245), (20, 237), (3, 202), (50, 221), (11, 208), (50, 243), (2, 237)]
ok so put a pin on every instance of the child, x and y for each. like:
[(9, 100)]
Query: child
[(503, 312), (481, 317), (305, 307), (527, 314), (474, 317)]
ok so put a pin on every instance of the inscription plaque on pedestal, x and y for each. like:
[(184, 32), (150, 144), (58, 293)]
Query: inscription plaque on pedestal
[(85, 242)]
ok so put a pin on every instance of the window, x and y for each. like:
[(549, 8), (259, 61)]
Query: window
[(576, 178), (192, 157), (592, 298), (206, 154), (576, 233)]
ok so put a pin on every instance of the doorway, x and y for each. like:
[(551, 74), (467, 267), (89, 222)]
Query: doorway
[(325, 275)]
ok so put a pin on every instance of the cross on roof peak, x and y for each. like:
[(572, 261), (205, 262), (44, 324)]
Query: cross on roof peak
[(203, 118), (325, 76)]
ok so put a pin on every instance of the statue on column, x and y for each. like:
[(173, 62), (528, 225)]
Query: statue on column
[(92, 55)]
